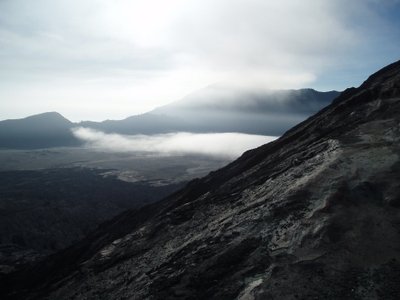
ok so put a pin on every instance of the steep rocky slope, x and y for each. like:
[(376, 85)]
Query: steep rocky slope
[(313, 215)]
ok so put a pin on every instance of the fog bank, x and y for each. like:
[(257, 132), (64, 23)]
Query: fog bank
[(230, 145)]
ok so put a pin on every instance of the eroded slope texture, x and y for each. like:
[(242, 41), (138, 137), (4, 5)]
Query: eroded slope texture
[(313, 215)]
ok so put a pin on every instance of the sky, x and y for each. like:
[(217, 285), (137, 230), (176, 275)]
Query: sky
[(101, 59)]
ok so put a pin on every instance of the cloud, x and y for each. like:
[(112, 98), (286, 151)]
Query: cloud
[(228, 145), (128, 56)]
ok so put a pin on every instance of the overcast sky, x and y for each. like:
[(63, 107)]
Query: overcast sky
[(102, 59)]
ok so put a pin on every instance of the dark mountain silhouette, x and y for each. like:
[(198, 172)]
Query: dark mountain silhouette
[(39, 131), (222, 109), (312, 215)]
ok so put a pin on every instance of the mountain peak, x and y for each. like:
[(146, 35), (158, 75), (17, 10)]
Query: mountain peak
[(48, 129), (52, 116)]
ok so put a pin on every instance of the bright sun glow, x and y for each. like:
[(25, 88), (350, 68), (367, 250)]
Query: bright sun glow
[(142, 22)]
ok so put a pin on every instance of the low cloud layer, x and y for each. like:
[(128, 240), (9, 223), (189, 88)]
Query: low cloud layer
[(229, 145)]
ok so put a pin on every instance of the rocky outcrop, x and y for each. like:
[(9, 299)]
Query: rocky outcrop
[(313, 215)]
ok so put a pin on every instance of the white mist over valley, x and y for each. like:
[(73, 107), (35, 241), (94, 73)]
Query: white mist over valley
[(227, 145)]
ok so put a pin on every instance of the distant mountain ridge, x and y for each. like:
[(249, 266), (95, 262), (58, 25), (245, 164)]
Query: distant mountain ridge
[(214, 109), (220, 109), (256, 101)]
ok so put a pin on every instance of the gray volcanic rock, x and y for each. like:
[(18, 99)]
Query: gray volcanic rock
[(312, 215)]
